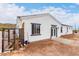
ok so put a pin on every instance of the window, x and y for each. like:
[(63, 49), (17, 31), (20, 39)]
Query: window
[(61, 29), (35, 29), (54, 32)]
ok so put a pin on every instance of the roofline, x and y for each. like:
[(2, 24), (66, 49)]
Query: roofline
[(66, 25), (45, 14), (33, 15), (54, 18), (41, 14)]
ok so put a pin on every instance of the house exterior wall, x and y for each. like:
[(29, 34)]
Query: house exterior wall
[(19, 21), (70, 30), (66, 30), (45, 27)]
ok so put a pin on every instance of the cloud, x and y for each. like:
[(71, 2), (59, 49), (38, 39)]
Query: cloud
[(76, 3), (11, 9), (8, 12), (60, 14)]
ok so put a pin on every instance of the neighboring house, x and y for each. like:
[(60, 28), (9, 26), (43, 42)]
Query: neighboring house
[(41, 26)]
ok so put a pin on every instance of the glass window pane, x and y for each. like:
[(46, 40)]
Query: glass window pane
[(35, 29)]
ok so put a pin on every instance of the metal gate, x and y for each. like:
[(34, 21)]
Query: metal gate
[(12, 38)]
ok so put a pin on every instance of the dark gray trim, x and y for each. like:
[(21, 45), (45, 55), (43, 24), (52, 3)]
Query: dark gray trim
[(36, 23), (32, 29)]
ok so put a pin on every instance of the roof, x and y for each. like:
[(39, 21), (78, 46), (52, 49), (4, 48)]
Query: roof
[(66, 25), (42, 14)]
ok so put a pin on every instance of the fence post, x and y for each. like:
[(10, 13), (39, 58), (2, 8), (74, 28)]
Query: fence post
[(3, 40), (14, 38), (21, 36), (8, 36)]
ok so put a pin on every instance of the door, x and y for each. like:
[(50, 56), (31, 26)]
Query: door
[(53, 31)]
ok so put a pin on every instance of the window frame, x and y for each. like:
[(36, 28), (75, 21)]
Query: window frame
[(35, 32), (67, 29), (53, 31), (61, 29)]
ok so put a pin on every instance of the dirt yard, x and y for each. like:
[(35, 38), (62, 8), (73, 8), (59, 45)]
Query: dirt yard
[(71, 36), (45, 48)]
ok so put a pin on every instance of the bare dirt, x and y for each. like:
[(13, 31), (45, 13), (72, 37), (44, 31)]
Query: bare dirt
[(45, 48), (71, 36)]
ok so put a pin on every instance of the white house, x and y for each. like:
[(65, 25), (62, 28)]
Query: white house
[(41, 26)]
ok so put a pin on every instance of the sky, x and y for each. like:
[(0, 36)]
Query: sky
[(66, 13), (67, 6)]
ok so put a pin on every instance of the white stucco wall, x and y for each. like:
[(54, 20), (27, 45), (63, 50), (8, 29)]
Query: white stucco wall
[(65, 30), (45, 28)]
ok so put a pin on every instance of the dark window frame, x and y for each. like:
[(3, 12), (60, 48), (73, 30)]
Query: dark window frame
[(53, 31), (35, 29), (67, 29), (61, 29)]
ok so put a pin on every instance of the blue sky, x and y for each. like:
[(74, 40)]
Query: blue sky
[(72, 8), (68, 6), (67, 13)]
